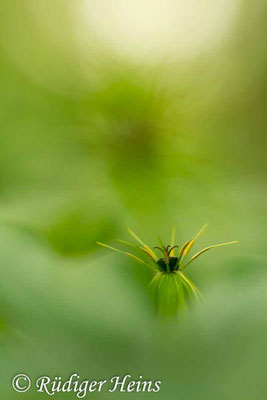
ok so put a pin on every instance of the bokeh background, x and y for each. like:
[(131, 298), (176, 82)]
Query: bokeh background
[(142, 114)]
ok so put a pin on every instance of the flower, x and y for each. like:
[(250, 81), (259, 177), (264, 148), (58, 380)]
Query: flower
[(170, 284)]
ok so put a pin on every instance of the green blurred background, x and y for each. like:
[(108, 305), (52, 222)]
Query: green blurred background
[(141, 114)]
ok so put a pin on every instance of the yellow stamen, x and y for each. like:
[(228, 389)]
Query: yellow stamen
[(206, 249), (145, 246), (127, 254), (172, 241), (188, 245)]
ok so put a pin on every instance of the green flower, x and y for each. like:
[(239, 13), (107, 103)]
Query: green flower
[(170, 285)]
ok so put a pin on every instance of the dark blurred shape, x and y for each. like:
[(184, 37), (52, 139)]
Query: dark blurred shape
[(76, 232)]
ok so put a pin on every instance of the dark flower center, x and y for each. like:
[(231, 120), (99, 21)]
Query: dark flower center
[(173, 264)]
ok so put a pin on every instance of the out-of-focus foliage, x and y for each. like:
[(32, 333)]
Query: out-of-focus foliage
[(93, 142)]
